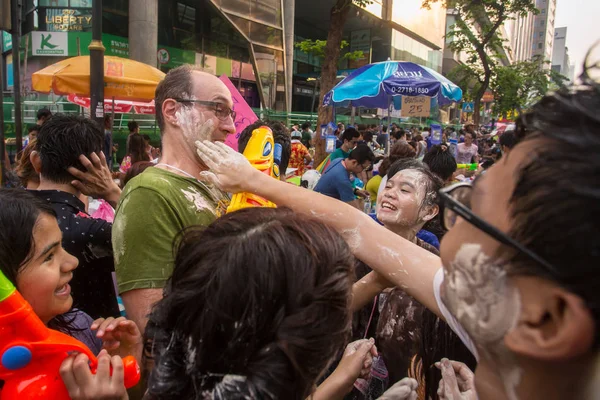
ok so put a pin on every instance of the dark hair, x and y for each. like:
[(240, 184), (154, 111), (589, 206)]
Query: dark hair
[(487, 162), (433, 182), (62, 140), (368, 136), (34, 128), (508, 139), (177, 84), (107, 118), (137, 149), (280, 135), (146, 137), (362, 153), (43, 113), (384, 167), (257, 306), (132, 125), (349, 134), (418, 138), (440, 161), (19, 212), (24, 169), (472, 134), (306, 125), (135, 170), (555, 205), (402, 150)]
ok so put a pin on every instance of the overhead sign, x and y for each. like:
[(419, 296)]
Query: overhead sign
[(419, 106), (53, 44), (468, 107), (64, 20)]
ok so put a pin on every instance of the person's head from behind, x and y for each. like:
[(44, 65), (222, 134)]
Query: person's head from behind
[(193, 105), (146, 140), (108, 122), (507, 141), (43, 115), (137, 149), (281, 136), (360, 159), (368, 136), (349, 139), (441, 162), (306, 126), (133, 126), (409, 198), (257, 306), (398, 135), (532, 304), (32, 255), (402, 150), (33, 131), (26, 173), (60, 143)]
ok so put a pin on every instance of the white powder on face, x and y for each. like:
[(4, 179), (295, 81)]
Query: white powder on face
[(478, 292)]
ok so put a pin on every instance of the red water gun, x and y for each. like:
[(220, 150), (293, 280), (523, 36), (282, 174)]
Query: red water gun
[(31, 354)]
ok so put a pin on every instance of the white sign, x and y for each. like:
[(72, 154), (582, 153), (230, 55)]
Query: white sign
[(416, 106), (50, 44)]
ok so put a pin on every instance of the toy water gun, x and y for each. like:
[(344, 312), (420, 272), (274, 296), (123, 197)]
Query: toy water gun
[(264, 155), (31, 354), (470, 167)]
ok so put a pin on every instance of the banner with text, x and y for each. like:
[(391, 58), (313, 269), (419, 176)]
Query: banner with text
[(416, 106)]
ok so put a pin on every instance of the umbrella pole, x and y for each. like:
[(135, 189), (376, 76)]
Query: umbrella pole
[(389, 135)]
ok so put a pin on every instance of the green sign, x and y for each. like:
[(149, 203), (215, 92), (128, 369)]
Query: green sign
[(6, 41), (171, 57), (114, 45)]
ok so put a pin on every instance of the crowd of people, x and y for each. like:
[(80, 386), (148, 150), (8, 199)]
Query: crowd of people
[(450, 269)]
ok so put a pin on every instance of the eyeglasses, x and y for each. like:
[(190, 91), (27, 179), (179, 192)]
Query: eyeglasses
[(221, 110), (456, 202)]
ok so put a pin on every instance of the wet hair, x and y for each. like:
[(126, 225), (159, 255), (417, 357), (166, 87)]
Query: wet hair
[(62, 140), (132, 125), (402, 150), (137, 149), (508, 139), (441, 162), (280, 135), (24, 169), (135, 170), (555, 205), (43, 113), (306, 126), (362, 153), (433, 183), (256, 308), (19, 212), (176, 84), (349, 134)]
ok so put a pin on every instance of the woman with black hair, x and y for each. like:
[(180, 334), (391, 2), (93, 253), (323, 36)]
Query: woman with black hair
[(137, 153)]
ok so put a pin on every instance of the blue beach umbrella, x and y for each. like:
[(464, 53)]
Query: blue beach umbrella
[(375, 85)]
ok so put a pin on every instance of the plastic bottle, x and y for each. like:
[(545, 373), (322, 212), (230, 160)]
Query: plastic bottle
[(453, 139), (367, 206)]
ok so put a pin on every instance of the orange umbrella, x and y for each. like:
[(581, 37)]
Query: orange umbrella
[(124, 79)]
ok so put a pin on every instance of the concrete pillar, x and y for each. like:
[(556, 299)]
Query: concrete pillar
[(289, 14), (143, 31)]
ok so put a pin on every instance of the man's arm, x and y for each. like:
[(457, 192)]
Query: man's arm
[(138, 304)]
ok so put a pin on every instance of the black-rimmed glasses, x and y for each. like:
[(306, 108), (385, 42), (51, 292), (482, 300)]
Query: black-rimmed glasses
[(456, 202), (221, 110)]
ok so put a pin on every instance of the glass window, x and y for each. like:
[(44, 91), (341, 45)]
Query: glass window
[(266, 35), (268, 11)]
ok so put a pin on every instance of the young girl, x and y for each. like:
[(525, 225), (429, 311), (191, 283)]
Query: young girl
[(34, 260)]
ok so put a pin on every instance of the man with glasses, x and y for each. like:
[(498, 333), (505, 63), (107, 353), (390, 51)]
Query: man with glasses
[(337, 180), (155, 206)]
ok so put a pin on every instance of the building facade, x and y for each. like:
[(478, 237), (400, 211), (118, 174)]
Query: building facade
[(543, 34), (520, 34), (561, 62)]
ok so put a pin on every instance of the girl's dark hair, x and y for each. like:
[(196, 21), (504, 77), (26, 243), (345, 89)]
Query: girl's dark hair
[(555, 205), (384, 166), (432, 182), (19, 212), (402, 150), (441, 161), (256, 308), (135, 170), (137, 149)]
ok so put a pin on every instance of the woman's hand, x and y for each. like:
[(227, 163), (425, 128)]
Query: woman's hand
[(83, 385), (406, 389), (97, 180), (458, 381), (229, 170), (356, 361), (119, 336)]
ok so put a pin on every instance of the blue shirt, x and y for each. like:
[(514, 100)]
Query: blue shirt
[(335, 182)]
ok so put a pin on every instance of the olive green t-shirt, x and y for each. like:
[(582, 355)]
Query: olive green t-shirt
[(154, 208)]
